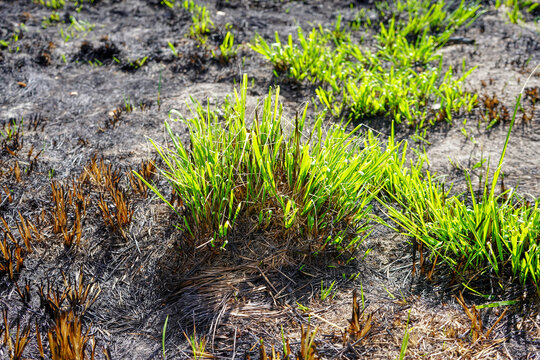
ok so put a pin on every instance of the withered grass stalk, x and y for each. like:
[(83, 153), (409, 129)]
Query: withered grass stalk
[(274, 355), (121, 213), (17, 345), (100, 174), (8, 194), (12, 253), (117, 213), (65, 198), (308, 350), (24, 293), (78, 294), (67, 340), (81, 295), (147, 170), (359, 325), (477, 330), (11, 138)]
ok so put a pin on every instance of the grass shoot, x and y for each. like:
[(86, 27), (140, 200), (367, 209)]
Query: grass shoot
[(317, 185)]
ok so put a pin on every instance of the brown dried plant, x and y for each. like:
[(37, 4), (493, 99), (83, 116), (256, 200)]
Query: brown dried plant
[(274, 355), (77, 196), (8, 194), (100, 174), (12, 254), (76, 296), (533, 94), (32, 159), (494, 110), (117, 212), (12, 259), (52, 299), (67, 340), (418, 247), (64, 200), (15, 345), (11, 138), (473, 315), (80, 294), (359, 325), (16, 170), (147, 170), (28, 232), (115, 116), (39, 343), (308, 350), (24, 293), (477, 331), (66, 307)]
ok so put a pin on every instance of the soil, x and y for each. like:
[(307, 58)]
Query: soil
[(86, 98)]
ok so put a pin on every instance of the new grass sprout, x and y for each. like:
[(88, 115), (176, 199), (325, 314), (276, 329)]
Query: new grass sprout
[(403, 78), (477, 237)]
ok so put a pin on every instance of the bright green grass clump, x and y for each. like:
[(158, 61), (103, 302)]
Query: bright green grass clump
[(493, 235), (515, 8), (402, 78), (318, 185), (59, 4)]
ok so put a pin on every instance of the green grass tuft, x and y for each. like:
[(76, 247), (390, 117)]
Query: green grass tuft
[(317, 185), (477, 237), (403, 78)]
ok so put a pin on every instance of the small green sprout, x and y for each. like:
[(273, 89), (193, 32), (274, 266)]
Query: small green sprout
[(326, 291), (173, 49), (227, 50)]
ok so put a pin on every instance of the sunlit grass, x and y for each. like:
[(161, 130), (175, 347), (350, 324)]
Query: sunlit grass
[(402, 77), (515, 8), (318, 185), (475, 236)]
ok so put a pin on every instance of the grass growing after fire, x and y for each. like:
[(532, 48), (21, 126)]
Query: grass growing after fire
[(402, 77), (515, 8), (475, 236), (318, 184)]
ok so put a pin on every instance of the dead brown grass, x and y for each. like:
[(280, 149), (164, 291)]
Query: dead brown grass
[(66, 339), (68, 200), (17, 343), (12, 253), (113, 202)]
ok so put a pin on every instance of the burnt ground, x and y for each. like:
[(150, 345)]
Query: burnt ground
[(88, 98)]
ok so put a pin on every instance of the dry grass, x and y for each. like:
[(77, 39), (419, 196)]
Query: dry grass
[(67, 340), (68, 200), (113, 202), (7, 195), (24, 293), (275, 355), (12, 253), (76, 295), (16, 344), (11, 139), (308, 349), (477, 328), (494, 111), (66, 308), (147, 170), (360, 324)]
